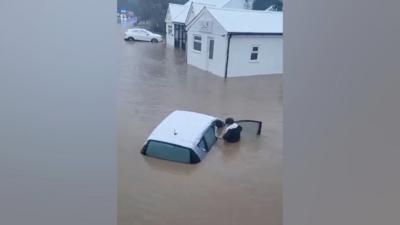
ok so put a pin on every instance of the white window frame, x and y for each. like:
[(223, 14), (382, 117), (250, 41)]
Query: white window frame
[(170, 30), (201, 42), (257, 52), (209, 38)]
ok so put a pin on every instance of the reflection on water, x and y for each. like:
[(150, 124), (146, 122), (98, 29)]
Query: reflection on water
[(235, 184)]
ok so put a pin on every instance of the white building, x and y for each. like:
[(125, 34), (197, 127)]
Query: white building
[(231, 43), (178, 16)]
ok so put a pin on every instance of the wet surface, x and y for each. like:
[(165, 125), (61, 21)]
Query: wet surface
[(235, 183)]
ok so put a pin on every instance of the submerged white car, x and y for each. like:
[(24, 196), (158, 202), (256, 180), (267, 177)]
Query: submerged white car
[(186, 137), (139, 34)]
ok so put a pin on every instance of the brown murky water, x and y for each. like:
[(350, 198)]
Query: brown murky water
[(235, 184)]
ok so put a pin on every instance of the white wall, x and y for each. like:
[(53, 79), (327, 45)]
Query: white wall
[(269, 55), (169, 38), (200, 59)]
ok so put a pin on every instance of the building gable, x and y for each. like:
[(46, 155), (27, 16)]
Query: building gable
[(197, 5), (193, 11), (205, 22), (174, 13)]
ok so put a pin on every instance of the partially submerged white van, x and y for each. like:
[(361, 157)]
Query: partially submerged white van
[(186, 137)]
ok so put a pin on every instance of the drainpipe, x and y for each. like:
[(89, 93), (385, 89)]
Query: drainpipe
[(227, 55)]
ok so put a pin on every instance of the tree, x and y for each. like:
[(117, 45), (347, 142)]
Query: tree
[(264, 4), (153, 11)]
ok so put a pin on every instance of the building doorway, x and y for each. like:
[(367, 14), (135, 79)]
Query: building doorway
[(210, 51), (179, 36)]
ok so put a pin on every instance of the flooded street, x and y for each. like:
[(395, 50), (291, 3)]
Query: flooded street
[(235, 184)]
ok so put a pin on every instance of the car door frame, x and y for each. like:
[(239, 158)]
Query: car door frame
[(146, 35), (136, 35), (208, 148), (140, 35), (252, 121)]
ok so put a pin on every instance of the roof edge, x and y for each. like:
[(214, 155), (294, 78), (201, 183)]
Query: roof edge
[(195, 18), (256, 33)]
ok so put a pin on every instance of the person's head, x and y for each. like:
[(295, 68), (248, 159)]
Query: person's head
[(219, 124), (229, 121)]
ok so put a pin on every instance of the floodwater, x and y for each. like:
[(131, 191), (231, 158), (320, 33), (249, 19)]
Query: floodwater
[(235, 184)]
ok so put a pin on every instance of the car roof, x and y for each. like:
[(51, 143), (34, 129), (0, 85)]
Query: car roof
[(138, 29), (182, 128)]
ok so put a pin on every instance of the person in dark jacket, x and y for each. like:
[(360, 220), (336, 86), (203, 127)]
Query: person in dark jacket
[(232, 131)]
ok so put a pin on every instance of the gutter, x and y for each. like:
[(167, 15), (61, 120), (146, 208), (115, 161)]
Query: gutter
[(251, 33), (227, 55)]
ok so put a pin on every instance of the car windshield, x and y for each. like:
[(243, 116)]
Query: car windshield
[(167, 151)]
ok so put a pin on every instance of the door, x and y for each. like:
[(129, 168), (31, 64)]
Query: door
[(184, 39), (179, 36), (250, 128), (146, 36), (142, 35), (176, 35), (210, 51), (139, 35)]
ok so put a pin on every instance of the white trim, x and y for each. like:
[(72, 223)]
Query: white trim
[(189, 11), (172, 29), (195, 18), (252, 51), (209, 38), (201, 43)]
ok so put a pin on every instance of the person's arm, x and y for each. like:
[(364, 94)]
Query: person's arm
[(223, 133), (216, 132)]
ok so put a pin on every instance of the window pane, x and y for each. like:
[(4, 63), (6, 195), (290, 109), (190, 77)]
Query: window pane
[(211, 50), (202, 144), (255, 49), (169, 152), (197, 38), (197, 46), (250, 128), (254, 56), (210, 137)]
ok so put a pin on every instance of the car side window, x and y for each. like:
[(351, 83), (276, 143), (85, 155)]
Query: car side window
[(168, 152), (202, 144), (209, 137)]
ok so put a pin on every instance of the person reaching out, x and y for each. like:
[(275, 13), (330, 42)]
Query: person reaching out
[(232, 131)]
